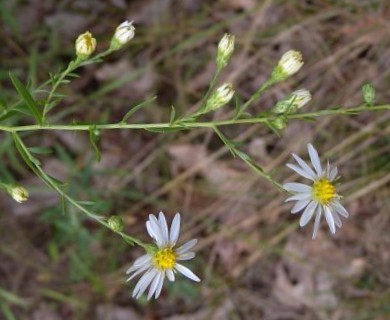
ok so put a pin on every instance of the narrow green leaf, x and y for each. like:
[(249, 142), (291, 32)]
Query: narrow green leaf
[(25, 94), (86, 203), (173, 116), (55, 181), (237, 107), (272, 127), (12, 298), (228, 143), (94, 138), (7, 311), (40, 150), (3, 104), (133, 110)]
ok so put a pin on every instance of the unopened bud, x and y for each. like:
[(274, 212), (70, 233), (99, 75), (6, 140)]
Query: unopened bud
[(279, 123), (20, 194), (288, 64), (85, 45), (115, 223), (220, 97), (123, 34), (369, 94), (225, 50), (293, 102)]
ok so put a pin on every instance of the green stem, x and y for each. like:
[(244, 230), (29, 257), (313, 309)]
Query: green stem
[(33, 164), (255, 96), (189, 125), (73, 65)]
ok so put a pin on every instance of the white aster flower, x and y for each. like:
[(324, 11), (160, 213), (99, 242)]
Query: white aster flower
[(123, 34), (163, 261), (319, 198)]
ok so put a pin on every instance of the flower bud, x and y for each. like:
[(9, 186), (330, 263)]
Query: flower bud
[(292, 102), (220, 97), (279, 123), (288, 64), (85, 45), (123, 34), (19, 193), (225, 50), (369, 94), (115, 223)]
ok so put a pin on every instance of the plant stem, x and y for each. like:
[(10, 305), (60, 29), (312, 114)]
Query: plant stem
[(33, 164), (189, 125)]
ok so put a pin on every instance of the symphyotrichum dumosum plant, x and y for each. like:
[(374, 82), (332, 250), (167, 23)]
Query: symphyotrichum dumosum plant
[(162, 258)]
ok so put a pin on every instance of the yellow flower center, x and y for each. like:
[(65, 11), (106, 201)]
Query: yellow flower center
[(164, 259), (323, 191)]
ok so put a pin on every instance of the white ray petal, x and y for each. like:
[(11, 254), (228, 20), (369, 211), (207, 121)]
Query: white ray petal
[(140, 270), (315, 159), (297, 187), (300, 171), (304, 166), (187, 246), (186, 272), (336, 219), (155, 226), (186, 256), (163, 227), (150, 230), (143, 283), (175, 229), (170, 275), (154, 284), (333, 174), (300, 205), (308, 213), (140, 261), (299, 196), (340, 209), (317, 222), (159, 286), (330, 220)]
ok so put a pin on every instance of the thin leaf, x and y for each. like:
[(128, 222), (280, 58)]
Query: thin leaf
[(25, 94), (86, 203), (94, 138), (12, 298), (133, 110), (40, 150), (7, 311), (173, 116), (272, 127)]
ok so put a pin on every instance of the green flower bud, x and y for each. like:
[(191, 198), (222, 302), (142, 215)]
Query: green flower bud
[(289, 64), (219, 98), (19, 193), (292, 102), (115, 223), (369, 94), (279, 123), (225, 50)]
